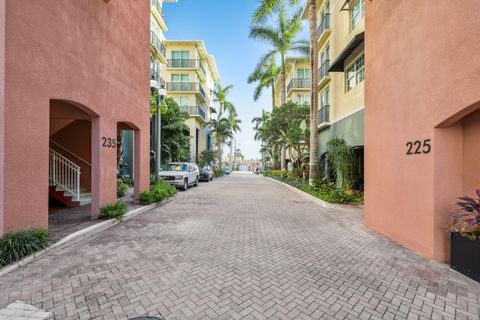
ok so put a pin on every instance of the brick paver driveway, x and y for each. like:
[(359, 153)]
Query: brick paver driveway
[(242, 247)]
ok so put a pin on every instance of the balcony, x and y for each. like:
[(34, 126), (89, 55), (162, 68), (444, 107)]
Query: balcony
[(187, 87), (155, 80), (194, 111), (299, 84), (160, 50), (323, 30), (323, 75), (158, 13), (188, 64), (324, 117)]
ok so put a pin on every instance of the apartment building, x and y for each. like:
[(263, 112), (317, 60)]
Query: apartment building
[(298, 79), (422, 121), (341, 76), (191, 75), (69, 83)]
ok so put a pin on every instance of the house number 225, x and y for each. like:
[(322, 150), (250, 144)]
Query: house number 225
[(419, 147)]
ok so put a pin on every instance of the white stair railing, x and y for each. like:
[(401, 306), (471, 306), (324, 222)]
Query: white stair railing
[(64, 173)]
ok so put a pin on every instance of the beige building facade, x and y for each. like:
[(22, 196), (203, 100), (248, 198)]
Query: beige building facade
[(190, 76)]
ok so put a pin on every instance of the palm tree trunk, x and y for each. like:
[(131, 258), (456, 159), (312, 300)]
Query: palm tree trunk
[(273, 95), (312, 12), (231, 153), (283, 97)]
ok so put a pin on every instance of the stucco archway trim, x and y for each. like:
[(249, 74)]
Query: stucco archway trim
[(459, 115)]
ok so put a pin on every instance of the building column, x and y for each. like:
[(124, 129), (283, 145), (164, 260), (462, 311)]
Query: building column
[(104, 163), (141, 163)]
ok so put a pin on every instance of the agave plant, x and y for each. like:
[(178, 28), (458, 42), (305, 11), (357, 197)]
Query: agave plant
[(466, 220)]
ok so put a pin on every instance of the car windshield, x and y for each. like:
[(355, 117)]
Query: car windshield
[(176, 167), (206, 168)]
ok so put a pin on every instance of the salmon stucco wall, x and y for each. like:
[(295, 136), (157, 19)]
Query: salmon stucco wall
[(421, 81), (90, 52), (2, 112)]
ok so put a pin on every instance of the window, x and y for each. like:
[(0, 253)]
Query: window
[(304, 73), (357, 12), (180, 78), (180, 55), (355, 73), (303, 99), (181, 101), (325, 98)]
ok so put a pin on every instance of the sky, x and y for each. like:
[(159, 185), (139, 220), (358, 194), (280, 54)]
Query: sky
[(224, 26)]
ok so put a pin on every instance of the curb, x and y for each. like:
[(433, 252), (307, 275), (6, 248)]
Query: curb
[(80, 235), (321, 202)]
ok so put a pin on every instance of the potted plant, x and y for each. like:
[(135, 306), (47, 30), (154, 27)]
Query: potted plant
[(464, 228)]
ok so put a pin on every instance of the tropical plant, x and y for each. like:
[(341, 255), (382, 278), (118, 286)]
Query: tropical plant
[(206, 157), (159, 191), (264, 10), (113, 211), (220, 126), (122, 188), (266, 74), (343, 160), (234, 124), (17, 245), (175, 133), (466, 220)]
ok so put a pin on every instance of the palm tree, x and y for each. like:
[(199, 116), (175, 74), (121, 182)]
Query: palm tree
[(223, 105), (234, 123), (264, 10), (282, 38), (265, 74)]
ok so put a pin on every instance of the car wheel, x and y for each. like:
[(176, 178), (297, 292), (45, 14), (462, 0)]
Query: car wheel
[(185, 185), (196, 182)]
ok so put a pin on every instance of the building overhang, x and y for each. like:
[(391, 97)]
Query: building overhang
[(338, 65)]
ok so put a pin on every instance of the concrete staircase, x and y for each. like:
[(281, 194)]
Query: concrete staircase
[(67, 198)]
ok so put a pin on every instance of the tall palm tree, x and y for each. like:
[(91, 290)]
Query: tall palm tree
[(264, 10), (223, 106), (265, 74), (234, 123), (282, 38)]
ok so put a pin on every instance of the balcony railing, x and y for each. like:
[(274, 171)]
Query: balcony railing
[(157, 6), (323, 70), (194, 111), (155, 41), (324, 114), (184, 63), (324, 25), (186, 87), (299, 83), (156, 77)]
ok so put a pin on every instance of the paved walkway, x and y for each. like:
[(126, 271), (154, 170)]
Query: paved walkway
[(241, 247)]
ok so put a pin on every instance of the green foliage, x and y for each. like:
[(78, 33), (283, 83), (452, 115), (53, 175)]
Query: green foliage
[(17, 245), (321, 188), (175, 133), (122, 188), (217, 173), (206, 157), (159, 191), (343, 159), (288, 125), (113, 211)]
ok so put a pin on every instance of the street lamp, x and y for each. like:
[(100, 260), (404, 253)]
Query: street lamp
[(157, 128)]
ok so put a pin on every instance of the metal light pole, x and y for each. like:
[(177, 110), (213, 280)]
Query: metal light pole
[(158, 132)]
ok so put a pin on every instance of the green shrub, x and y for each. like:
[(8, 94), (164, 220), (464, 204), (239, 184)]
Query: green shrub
[(159, 191), (17, 245), (321, 188), (113, 211), (217, 173), (122, 188)]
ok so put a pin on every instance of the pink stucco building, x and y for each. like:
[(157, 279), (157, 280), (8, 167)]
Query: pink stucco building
[(72, 74), (422, 120)]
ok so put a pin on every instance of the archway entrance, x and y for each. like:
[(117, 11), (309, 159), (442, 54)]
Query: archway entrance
[(70, 162)]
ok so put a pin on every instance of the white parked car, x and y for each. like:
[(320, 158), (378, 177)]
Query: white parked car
[(181, 174)]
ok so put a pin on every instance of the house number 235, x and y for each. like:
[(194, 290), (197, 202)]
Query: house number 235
[(419, 147), (109, 142)]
